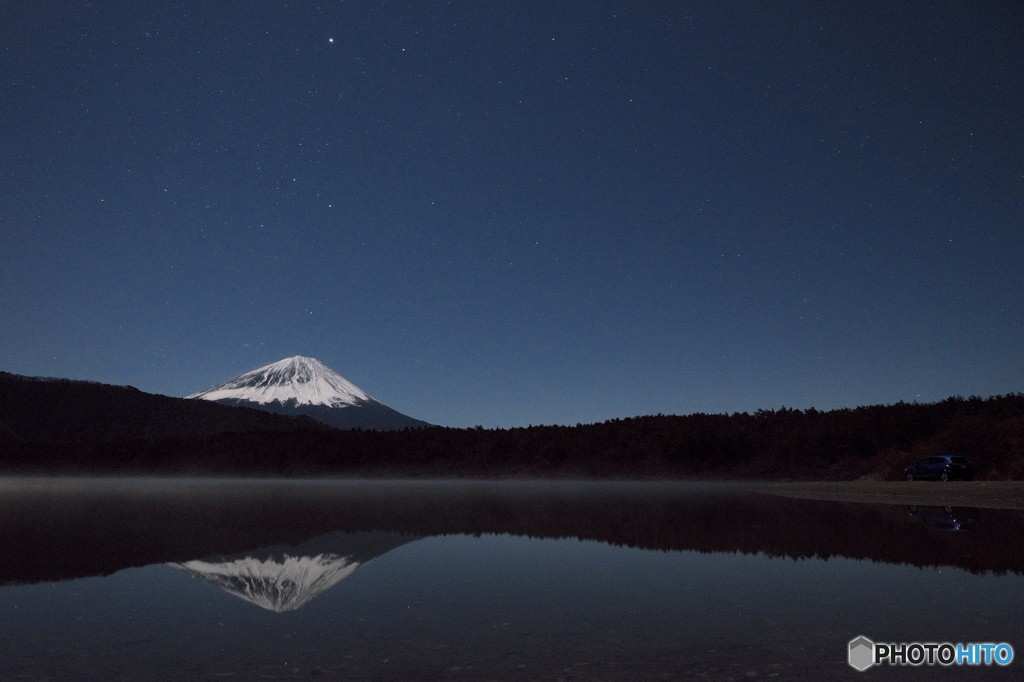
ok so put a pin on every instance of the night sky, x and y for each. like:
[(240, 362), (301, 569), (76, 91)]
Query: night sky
[(518, 212)]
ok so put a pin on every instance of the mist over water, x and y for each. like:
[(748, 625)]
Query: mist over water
[(486, 580)]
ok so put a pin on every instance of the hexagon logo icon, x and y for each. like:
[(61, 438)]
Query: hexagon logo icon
[(862, 653)]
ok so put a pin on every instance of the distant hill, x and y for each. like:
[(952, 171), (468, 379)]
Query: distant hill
[(61, 411)]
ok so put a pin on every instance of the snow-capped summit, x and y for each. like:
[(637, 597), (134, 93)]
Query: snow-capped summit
[(306, 381), (301, 385)]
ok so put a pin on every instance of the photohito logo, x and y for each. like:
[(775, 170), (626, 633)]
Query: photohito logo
[(863, 653)]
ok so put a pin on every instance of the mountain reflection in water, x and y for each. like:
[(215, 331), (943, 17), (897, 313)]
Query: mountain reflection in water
[(62, 529), (285, 578)]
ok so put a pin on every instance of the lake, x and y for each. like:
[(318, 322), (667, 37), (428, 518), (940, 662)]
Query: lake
[(149, 579)]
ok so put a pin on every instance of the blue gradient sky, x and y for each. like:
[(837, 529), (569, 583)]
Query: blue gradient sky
[(515, 212)]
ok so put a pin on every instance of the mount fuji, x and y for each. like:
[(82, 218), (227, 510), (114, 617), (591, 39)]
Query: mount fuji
[(300, 385)]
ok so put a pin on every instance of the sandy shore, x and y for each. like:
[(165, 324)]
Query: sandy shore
[(984, 494)]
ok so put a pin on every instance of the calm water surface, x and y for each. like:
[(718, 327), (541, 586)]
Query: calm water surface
[(221, 580)]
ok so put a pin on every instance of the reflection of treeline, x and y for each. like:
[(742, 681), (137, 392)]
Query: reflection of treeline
[(92, 532), (875, 441)]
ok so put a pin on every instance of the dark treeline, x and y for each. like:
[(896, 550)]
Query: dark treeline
[(873, 442)]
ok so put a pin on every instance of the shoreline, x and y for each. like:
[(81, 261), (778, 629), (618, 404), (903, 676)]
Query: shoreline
[(981, 494)]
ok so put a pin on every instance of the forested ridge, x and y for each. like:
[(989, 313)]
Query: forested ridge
[(66, 435), (63, 411)]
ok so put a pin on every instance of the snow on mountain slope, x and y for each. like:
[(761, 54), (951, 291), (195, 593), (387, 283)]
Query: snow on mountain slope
[(306, 381), (301, 385)]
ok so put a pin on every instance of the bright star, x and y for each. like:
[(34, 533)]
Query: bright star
[(330, 40)]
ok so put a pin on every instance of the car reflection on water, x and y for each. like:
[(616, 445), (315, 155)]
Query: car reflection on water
[(946, 518)]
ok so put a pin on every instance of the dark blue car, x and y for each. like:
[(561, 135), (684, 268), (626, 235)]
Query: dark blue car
[(939, 468)]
